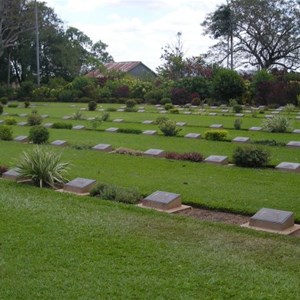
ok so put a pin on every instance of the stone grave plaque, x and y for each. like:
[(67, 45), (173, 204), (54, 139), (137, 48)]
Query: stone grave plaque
[(5, 114), (147, 122), (241, 139), (160, 108), (217, 126), (272, 219), (78, 127), (103, 147), (44, 116), (248, 111), (217, 159), (59, 143), (162, 200), (141, 111), (11, 174), (296, 131), (21, 138), (262, 107), (120, 109), (212, 114), (187, 112), (112, 129), (66, 117), (118, 120), (239, 115), (202, 109), (279, 109), (288, 167), (163, 112), (293, 144), (150, 132), (22, 123), (255, 128), (298, 118), (155, 152), (91, 118), (83, 108), (225, 110), (48, 125), (141, 107), (275, 112), (193, 135), (269, 116), (214, 107), (1, 121), (157, 105), (180, 124), (79, 185), (101, 109), (22, 115)]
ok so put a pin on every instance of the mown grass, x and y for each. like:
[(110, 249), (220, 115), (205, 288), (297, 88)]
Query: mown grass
[(226, 188), (59, 246)]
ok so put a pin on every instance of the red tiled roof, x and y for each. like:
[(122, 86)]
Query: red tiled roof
[(122, 66)]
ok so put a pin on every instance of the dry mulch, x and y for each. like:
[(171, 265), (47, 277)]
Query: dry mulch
[(218, 216)]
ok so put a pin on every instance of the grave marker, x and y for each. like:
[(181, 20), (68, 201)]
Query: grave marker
[(180, 124), (217, 159), (296, 131), (112, 129), (22, 123), (255, 128), (155, 153), (241, 139), (21, 138), (150, 132), (216, 126), (11, 174), (289, 167), (193, 135), (103, 147), (118, 120), (147, 122), (48, 125), (78, 127), (59, 143), (79, 185), (293, 144)]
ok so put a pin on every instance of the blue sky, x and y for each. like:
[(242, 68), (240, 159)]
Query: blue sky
[(137, 30)]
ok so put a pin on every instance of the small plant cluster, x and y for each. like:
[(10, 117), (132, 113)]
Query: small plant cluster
[(116, 193), (38, 134), (1, 109), (216, 135), (43, 167), (276, 124), (237, 124), (10, 121), (269, 143), (92, 105), (130, 130), (62, 125), (34, 119), (169, 128), (251, 157), (6, 133), (128, 151), (189, 156)]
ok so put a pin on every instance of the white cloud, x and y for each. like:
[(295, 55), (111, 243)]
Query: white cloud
[(133, 35)]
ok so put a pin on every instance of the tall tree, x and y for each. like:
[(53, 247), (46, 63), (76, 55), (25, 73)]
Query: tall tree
[(266, 33)]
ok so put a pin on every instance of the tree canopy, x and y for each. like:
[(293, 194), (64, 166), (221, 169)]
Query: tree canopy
[(265, 33)]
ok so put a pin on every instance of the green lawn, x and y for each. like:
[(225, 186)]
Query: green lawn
[(59, 246)]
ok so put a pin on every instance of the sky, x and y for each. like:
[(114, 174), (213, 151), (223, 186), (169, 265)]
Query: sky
[(137, 30)]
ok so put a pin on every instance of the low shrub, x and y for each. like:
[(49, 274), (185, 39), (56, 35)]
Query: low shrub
[(34, 119), (269, 143), (216, 135), (128, 151), (92, 105), (38, 134), (105, 116), (1, 109), (10, 121), (251, 157), (130, 103), (62, 125), (237, 108), (130, 130), (43, 167), (174, 111), (4, 100), (77, 115), (116, 193), (168, 106), (169, 128), (130, 109), (6, 133), (237, 124), (276, 124), (161, 119), (164, 101), (26, 104), (189, 156), (12, 105), (196, 101)]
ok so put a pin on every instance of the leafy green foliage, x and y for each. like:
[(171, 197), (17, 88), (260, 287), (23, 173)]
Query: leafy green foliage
[(237, 108), (237, 124), (62, 125), (10, 121), (77, 115), (34, 119), (130, 130), (39, 134), (276, 124), (130, 103), (169, 128), (6, 133), (92, 105), (43, 167), (116, 193), (251, 157), (216, 135), (1, 109), (3, 100)]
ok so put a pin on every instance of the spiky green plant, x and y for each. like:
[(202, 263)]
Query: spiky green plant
[(276, 124), (43, 167)]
